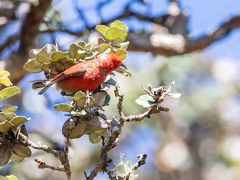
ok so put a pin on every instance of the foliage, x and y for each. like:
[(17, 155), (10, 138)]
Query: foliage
[(11, 146), (85, 110)]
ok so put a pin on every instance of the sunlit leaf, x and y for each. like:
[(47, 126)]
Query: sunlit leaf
[(116, 35), (102, 29), (5, 126), (103, 47), (5, 81), (44, 55), (9, 91), (32, 65), (118, 24), (124, 45), (121, 53), (63, 107), (56, 56), (18, 120), (4, 73), (9, 108), (80, 97), (33, 53), (93, 138)]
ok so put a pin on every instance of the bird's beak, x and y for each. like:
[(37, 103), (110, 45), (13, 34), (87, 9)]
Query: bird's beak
[(123, 70), (123, 66)]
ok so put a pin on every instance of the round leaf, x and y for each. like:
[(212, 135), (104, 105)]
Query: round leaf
[(73, 131), (44, 55), (118, 24), (116, 35), (5, 154), (21, 150), (102, 98), (32, 65), (95, 124), (93, 138), (56, 56), (102, 29)]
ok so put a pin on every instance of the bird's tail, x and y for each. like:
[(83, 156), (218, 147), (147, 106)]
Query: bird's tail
[(44, 84)]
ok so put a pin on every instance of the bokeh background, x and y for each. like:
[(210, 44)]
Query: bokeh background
[(199, 139)]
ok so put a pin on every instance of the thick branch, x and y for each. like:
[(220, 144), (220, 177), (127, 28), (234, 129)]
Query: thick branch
[(29, 32), (169, 45)]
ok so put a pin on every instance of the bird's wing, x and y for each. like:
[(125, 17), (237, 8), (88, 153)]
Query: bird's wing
[(61, 77)]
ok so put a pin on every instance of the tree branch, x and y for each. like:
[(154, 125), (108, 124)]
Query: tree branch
[(29, 32), (112, 141)]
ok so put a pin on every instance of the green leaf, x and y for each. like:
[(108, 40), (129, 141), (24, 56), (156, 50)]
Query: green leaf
[(4, 73), (5, 81), (116, 35), (124, 45), (18, 120), (103, 47), (74, 131), (88, 46), (63, 107), (93, 138), (118, 24), (101, 98), (5, 154), (96, 123), (3, 117), (16, 158), (9, 92), (33, 53), (21, 150), (73, 51), (121, 53), (10, 115), (102, 29), (6, 126), (56, 56), (9, 108), (80, 97), (145, 100), (44, 55), (32, 65)]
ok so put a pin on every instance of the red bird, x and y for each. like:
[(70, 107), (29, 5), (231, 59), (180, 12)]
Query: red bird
[(87, 75)]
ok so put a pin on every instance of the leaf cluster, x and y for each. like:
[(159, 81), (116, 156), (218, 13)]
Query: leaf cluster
[(50, 60)]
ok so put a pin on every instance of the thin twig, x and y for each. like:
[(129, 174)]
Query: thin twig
[(43, 165), (39, 147), (64, 159)]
